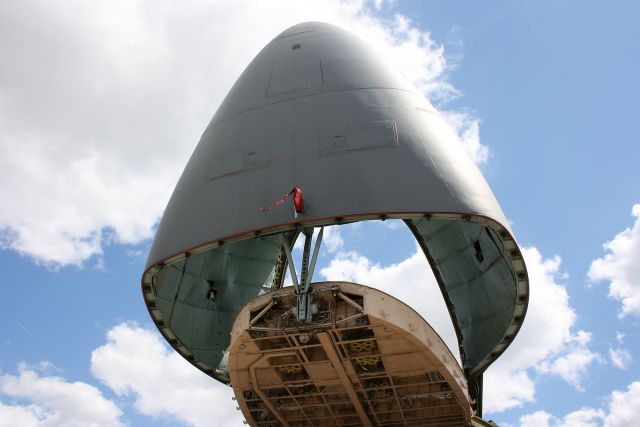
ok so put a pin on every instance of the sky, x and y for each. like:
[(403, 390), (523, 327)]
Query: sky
[(102, 103)]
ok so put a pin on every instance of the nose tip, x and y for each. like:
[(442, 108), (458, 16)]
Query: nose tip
[(304, 27)]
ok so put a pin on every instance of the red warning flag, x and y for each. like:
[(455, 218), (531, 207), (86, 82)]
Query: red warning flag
[(298, 201)]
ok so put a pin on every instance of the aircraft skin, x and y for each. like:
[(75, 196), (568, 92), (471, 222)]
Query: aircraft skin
[(321, 129)]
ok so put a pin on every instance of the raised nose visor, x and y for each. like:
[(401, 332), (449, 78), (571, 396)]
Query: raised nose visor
[(321, 111)]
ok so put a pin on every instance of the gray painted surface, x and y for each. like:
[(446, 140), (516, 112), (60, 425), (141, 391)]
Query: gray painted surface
[(321, 110), (354, 135)]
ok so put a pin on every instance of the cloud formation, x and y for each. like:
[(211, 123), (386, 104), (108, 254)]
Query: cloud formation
[(622, 411), (101, 105), (584, 417), (468, 129), (620, 267), (53, 401), (573, 364), (546, 344), (620, 357), (136, 363)]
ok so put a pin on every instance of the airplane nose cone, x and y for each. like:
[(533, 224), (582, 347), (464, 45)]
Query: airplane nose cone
[(321, 111), (307, 59)]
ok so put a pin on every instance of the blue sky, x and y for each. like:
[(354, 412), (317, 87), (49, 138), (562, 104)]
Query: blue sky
[(101, 104)]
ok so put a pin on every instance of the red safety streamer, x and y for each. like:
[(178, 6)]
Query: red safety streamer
[(298, 201)]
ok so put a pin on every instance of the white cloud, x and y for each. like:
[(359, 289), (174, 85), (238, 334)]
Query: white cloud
[(621, 268), (136, 363), (620, 357), (54, 402), (102, 103), (394, 224), (506, 387), (624, 407), (332, 239), (584, 417), (16, 415), (424, 67), (537, 419), (380, 3), (546, 344), (573, 365), (622, 411), (468, 129)]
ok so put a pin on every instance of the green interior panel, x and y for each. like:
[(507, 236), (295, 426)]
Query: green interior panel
[(200, 295), (477, 278)]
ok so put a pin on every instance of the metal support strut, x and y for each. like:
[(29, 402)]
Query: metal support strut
[(304, 306)]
